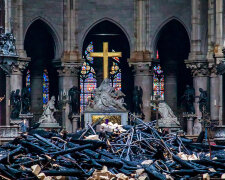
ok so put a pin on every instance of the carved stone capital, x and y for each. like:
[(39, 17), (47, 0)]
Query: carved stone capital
[(18, 67), (69, 69), (198, 68), (14, 67), (213, 69), (141, 68)]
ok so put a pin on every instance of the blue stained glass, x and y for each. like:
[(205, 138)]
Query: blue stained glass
[(88, 81), (28, 79), (158, 81), (45, 88)]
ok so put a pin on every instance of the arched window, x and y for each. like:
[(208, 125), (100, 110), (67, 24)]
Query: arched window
[(158, 80), (115, 73), (28, 79), (45, 87), (88, 81)]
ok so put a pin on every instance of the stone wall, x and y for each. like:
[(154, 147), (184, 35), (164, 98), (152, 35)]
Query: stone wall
[(162, 11), (90, 12), (50, 11)]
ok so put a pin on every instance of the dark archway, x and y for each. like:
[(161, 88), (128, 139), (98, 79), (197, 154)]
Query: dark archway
[(107, 31), (40, 46), (173, 47), (2, 94)]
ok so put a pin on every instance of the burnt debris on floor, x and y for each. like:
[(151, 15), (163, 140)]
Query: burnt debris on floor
[(129, 152)]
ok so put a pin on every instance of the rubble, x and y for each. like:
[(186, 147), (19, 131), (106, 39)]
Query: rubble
[(138, 152)]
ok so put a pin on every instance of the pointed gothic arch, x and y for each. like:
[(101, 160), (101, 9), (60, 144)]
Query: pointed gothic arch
[(108, 31), (160, 28), (40, 45), (173, 46), (51, 29)]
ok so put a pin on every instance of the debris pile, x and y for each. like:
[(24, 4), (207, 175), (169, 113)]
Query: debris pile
[(140, 152)]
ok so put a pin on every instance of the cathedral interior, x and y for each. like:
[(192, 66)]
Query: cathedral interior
[(163, 52)]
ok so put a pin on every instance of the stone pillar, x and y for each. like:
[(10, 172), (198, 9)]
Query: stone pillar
[(68, 77), (37, 93), (141, 56), (200, 74), (18, 28), (7, 100), (171, 91), (13, 81), (196, 26), (71, 52), (171, 85), (8, 15), (143, 78)]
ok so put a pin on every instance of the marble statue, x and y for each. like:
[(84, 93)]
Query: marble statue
[(7, 44), (47, 115), (137, 100), (74, 100), (15, 101), (168, 118), (25, 99), (189, 99), (106, 98)]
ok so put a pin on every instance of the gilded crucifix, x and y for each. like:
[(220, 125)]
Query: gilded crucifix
[(105, 54)]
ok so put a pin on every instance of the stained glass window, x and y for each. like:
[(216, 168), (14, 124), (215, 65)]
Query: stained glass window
[(28, 79), (115, 76), (45, 88), (88, 81), (158, 80)]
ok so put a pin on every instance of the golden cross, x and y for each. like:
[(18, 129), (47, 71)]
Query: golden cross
[(105, 54)]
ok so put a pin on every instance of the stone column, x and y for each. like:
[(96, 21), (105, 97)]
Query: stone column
[(8, 15), (200, 74), (171, 91), (171, 85), (7, 100), (71, 52), (18, 28), (141, 56), (37, 93), (68, 77), (196, 26), (214, 97), (143, 78)]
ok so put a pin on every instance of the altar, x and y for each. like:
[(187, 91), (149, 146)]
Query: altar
[(120, 118), (107, 103)]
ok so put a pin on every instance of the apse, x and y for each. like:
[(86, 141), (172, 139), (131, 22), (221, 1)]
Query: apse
[(173, 47), (40, 76), (119, 71)]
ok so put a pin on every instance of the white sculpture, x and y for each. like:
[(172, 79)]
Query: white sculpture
[(165, 111), (168, 119), (106, 98), (47, 115)]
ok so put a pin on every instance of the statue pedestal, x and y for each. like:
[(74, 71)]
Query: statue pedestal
[(25, 120), (50, 126), (118, 117), (219, 136), (168, 123), (75, 119), (190, 122)]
